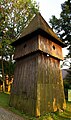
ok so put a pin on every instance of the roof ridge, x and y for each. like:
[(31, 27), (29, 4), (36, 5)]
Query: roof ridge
[(38, 22)]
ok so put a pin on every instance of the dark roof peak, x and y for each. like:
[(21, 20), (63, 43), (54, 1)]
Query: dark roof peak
[(36, 23)]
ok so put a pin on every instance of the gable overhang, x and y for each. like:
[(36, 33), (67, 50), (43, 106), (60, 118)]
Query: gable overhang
[(37, 32)]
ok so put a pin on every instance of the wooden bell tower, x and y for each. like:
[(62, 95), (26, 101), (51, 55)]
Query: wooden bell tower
[(38, 85)]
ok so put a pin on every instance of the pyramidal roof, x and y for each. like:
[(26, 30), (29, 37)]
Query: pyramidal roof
[(38, 22)]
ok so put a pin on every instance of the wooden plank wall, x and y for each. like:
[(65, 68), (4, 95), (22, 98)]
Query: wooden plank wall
[(50, 90), (28, 46), (23, 95), (50, 47), (38, 86)]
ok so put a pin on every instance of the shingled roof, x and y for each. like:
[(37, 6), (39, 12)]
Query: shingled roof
[(37, 23)]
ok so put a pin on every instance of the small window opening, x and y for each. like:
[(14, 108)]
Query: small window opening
[(53, 47)]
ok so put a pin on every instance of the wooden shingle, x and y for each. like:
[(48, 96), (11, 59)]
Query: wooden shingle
[(40, 26)]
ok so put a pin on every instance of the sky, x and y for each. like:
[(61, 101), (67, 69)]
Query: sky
[(49, 8)]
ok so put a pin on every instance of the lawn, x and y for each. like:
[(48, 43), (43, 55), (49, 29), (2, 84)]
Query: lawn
[(4, 100), (66, 115)]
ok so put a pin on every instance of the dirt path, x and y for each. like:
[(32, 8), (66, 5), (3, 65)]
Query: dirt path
[(7, 115)]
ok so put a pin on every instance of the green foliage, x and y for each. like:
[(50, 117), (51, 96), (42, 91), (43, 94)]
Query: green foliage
[(14, 16), (67, 80), (8, 67), (62, 26), (4, 99)]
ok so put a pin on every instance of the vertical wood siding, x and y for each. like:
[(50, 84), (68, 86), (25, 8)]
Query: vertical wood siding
[(50, 91), (24, 90), (25, 48), (38, 86)]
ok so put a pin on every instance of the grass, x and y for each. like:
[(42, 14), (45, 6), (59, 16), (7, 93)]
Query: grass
[(4, 99), (66, 115)]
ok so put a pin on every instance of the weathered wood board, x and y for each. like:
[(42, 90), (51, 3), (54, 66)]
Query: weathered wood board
[(38, 85)]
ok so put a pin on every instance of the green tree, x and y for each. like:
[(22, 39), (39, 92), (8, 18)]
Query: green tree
[(67, 81), (14, 16)]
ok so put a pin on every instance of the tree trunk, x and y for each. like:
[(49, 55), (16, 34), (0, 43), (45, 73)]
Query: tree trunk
[(3, 76)]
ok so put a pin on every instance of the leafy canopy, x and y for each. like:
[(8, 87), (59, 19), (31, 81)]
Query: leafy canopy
[(14, 16)]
